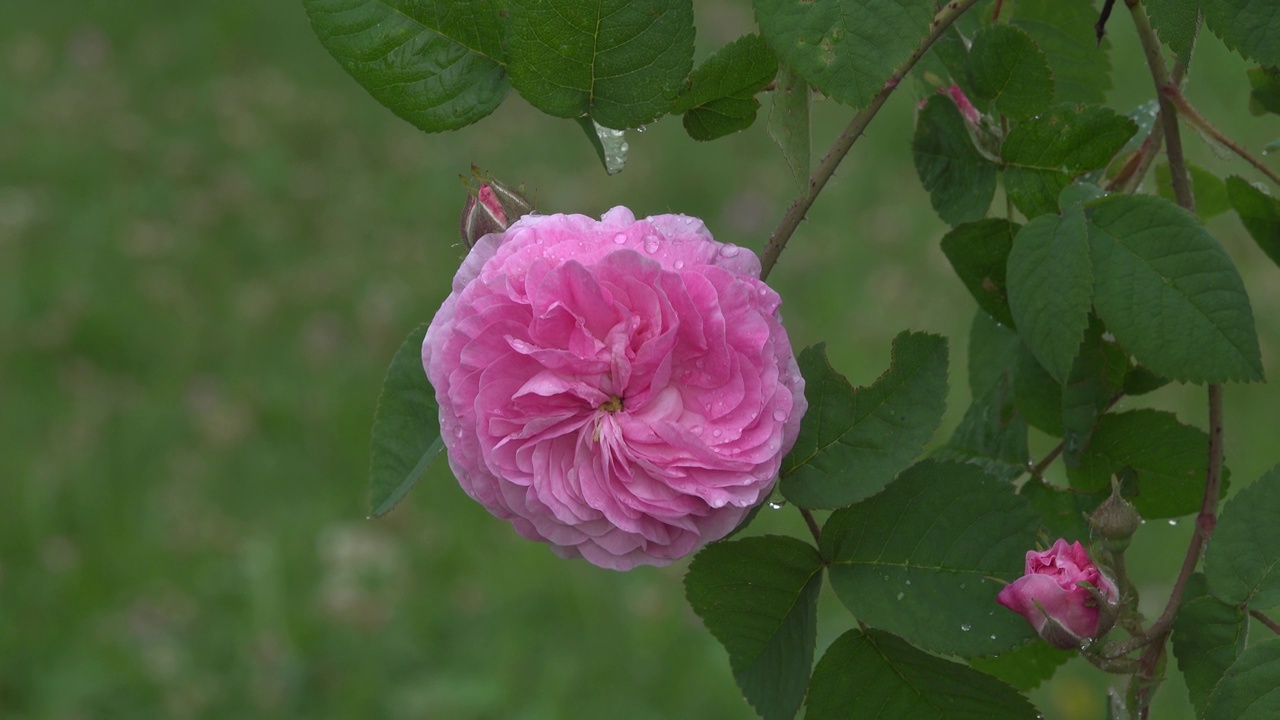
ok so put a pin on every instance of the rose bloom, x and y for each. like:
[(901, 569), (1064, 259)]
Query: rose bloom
[(620, 389), (1051, 599)]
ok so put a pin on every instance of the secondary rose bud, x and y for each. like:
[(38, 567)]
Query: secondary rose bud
[(1064, 596), (961, 100), (620, 389), (491, 208), (1115, 520)]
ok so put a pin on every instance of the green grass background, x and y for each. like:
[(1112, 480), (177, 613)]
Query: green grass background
[(212, 242)]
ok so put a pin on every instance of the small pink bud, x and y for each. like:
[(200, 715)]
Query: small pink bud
[(961, 100), (491, 208), (1064, 596)]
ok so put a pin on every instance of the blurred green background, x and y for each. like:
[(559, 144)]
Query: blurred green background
[(212, 242)]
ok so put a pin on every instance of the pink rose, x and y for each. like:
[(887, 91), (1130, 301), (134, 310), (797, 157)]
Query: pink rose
[(1050, 595), (622, 390)]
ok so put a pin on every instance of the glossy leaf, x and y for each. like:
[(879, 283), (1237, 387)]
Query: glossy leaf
[(610, 145), (1208, 189), (923, 559), (1166, 460), (1169, 293), (1242, 562), (789, 123), (1045, 154), (1062, 510), (759, 597), (1026, 667), (406, 428), (1259, 212), (873, 675), (1177, 22), (1096, 376), (437, 63), (961, 181), (1247, 690), (854, 442), (1051, 287), (1038, 395), (845, 48), (1208, 636), (979, 253), (619, 62), (1009, 70), (1250, 27), (1064, 31), (720, 97)]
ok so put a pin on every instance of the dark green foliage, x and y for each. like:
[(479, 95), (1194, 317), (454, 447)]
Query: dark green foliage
[(1259, 212), (1007, 69), (720, 97), (960, 179), (406, 428)]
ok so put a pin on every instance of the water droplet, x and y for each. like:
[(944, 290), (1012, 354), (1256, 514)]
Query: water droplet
[(697, 429), (901, 595), (961, 586), (729, 250), (993, 637), (966, 627), (457, 432), (775, 506), (1173, 522), (651, 244), (642, 128), (700, 363), (679, 264), (717, 433), (779, 415), (908, 582), (620, 238)]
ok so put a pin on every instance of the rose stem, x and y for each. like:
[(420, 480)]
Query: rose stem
[(813, 524), (800, 206), (1275, 627), (1179, 100)]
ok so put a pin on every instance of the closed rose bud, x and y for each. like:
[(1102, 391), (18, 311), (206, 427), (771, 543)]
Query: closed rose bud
[(1064, 596), (1115, 520), (491, 208), (961, 100)]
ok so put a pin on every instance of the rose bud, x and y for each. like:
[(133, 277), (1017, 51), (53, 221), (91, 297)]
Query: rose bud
[(1115, 520), (490, 208), (1064, 596), (620, 389), (961, 100)]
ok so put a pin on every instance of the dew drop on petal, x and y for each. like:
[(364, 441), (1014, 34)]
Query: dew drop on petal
[(651, 244), (729, 250), (679, 264), (779, 415), (457, 432), (697, 429), (620, 238), (717, 433)]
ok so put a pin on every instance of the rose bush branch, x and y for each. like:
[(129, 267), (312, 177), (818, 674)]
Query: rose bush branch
[(1179, 100), (1266, 620), (844, 142)]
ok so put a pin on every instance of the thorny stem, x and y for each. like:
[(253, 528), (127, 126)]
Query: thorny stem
[(1262, 618), (1146, 679), (1188, 111), (800, 206)]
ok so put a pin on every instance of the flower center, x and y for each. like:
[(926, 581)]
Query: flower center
[(612, 405)]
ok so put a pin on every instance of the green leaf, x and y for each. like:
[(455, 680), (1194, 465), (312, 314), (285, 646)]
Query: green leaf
[(1096, 377), (1248, 690), (924, 558), (1038, 395), (1050, 287), (1169, 293), (1250, 27), (1242, 560), (721, 95), (1008, 69), (789, 123), (1025, 667), (1064, 31), (1043, 155), (759, 597), (1208, 636), (436, 63), (619, 62), (1140, 381), (961, 181), (1062, 511), (1209, 190), (1167, 461), (1265, 94), (992, 434), (1177, 22), (873, 675), (845, 48), (854, 442), (979, 252), (406, 428), (1260, 214), (610, 145)]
